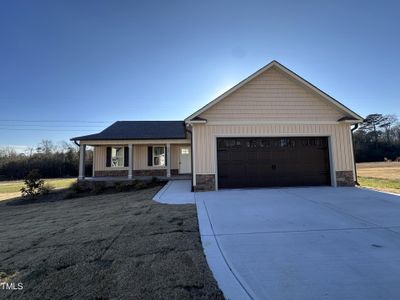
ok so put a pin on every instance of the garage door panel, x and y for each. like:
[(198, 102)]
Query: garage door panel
[(263, 162)]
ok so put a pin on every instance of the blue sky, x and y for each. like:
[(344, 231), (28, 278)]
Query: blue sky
[(101, 61)]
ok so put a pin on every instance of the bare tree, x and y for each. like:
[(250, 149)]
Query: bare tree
[(29, 151), (7, 152), (387, 123), (46, 147)]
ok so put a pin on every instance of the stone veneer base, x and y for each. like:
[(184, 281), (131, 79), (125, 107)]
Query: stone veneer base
[(344, 178), (204, 183)]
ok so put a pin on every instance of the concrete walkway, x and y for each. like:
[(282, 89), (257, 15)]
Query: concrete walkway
[(179, 192), (302, 243), (176, 192)]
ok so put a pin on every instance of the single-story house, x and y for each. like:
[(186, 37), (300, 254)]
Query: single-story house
[(272, 129)]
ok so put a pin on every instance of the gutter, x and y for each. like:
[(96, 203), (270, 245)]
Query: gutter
[(191, 154), (354, 153)]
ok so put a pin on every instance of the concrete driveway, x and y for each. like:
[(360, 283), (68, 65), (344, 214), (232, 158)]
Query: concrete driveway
[(302, 243)]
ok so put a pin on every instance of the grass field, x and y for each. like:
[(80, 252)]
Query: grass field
[(384, 176), (10, 189)]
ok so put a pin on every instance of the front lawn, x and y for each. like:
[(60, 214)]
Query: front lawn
[(122, 245), (386, 185)]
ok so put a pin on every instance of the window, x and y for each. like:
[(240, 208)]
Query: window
[(117, 156), (158, 156), (284, 143), (184, 151)]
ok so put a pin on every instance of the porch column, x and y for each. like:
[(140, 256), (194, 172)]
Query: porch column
[(130, 166), (168, 160), (82, 150), (94, 161)]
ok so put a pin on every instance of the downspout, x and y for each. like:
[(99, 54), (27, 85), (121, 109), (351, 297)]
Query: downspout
[(191, 154), (354, 153), (76, 143)]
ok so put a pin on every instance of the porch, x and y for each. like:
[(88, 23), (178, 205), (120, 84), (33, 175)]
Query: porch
[(125, 179), (142, 160)]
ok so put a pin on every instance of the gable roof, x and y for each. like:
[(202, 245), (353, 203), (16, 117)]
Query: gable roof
[(139, 130), (357, 118)]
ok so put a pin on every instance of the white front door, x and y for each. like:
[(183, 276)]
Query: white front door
[(184, 160)]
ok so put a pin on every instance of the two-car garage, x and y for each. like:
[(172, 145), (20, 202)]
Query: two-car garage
[(273, 129), (273, 161)]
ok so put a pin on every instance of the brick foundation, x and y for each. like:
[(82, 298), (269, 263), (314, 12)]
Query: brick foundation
[(121, 173), (111, 173), (205, 183), (150, 172), (344, 178)]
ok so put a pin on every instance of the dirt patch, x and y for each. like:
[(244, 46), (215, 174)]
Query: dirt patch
[(108, 246)]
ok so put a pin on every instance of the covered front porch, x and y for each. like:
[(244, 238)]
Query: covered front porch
[(142, 160), (124, 178)]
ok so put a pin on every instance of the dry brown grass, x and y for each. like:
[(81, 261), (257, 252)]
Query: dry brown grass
[(383, 170), (383, 176), (110, 246)]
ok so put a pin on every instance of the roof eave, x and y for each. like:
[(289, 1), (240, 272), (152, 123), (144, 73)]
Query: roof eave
[(358, 121), (350, 120), (129, 139), (196, 122)]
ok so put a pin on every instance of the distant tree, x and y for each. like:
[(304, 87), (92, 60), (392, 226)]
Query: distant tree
[(7, 152), (387, 122), (52, 160), (377, 138), (46, 147), (65, 147), (396, 132), (372, 123)]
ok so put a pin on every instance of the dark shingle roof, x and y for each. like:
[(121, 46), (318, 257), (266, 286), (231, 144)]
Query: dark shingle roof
[(139, 130)]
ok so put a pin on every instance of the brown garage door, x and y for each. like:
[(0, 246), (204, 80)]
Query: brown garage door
[(267, 162)]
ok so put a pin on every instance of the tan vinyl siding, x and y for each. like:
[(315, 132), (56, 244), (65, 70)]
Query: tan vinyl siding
[(273, 96), (205, 140), (99, 158), (139, 158)]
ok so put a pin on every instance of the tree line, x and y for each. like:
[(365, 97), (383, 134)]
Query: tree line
[(377, 139), (51, 160)]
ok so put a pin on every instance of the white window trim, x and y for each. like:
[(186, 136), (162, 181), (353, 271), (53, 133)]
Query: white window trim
[(123, 158), (186, 152), (165, 156)]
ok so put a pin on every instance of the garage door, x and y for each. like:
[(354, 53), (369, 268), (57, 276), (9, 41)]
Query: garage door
[(268, 162)]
